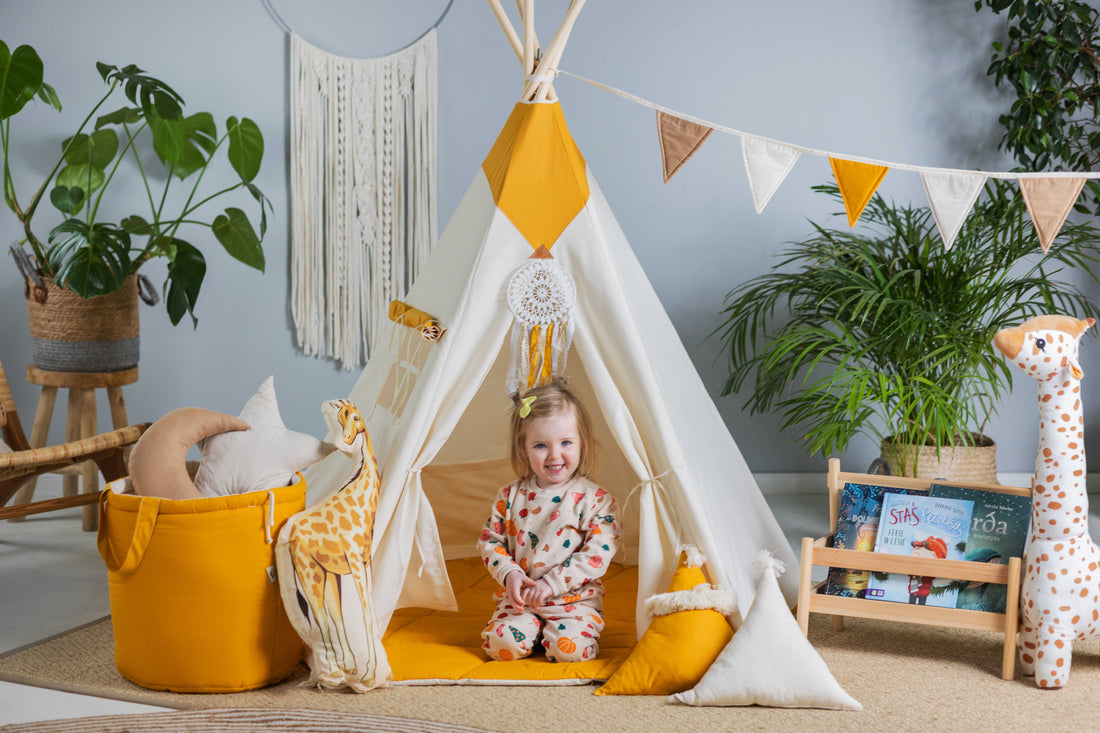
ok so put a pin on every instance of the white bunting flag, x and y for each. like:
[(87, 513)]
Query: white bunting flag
[(767, 164), (951, 196)]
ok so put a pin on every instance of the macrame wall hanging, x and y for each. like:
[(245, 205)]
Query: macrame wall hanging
[(541, 295), (363, 190)]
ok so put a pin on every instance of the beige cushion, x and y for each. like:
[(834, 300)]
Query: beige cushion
[(263, 458), (158, 461)]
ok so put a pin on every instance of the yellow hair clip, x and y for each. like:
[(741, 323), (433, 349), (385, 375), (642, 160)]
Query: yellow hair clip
[(525, 406)]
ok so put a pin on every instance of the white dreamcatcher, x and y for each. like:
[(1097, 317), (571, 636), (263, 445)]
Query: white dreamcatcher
[(541, 295)]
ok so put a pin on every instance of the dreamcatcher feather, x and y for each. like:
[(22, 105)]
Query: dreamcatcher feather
[(541, 295)]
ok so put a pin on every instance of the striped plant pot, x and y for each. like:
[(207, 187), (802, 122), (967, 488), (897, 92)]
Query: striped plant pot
[(974, 464), (71, 334)]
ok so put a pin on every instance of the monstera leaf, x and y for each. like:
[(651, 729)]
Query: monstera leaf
[(91, 260)]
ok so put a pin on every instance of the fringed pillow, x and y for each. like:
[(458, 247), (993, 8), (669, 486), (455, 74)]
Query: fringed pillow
[(688, 631)]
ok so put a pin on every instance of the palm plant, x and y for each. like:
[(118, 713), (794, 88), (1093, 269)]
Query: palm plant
[(880, 331)]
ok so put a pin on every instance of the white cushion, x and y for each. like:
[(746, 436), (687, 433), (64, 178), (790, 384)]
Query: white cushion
[(265, 457), (769, 662)]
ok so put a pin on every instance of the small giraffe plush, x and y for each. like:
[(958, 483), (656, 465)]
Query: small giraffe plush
[(1060, 602), (323, 558)]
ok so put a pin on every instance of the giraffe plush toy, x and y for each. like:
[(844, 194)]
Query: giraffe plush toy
[(323, 558), (1060, 602)]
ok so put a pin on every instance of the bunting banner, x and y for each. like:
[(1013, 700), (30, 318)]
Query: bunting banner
[(951, 196), (679, 140), (767, 164), (1049, 201), (952, 192), (857, 182)]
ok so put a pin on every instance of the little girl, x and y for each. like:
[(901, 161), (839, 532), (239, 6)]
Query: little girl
[(551, 535)]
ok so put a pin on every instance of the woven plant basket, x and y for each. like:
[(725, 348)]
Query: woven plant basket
[(71, 334), (974, 464)]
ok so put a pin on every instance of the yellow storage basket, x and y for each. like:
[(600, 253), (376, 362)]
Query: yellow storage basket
[(195, 603)]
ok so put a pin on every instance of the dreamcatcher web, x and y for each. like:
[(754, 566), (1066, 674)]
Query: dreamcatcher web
[(541, 296)]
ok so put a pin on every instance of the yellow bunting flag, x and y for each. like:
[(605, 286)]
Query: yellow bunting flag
[(679, 140), (1049, 201), (857, 182)]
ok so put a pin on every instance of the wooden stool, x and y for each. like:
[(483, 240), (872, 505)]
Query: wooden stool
[(80, 422)]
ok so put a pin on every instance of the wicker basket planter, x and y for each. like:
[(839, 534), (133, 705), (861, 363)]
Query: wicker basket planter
[(976, 464), (71, 334)]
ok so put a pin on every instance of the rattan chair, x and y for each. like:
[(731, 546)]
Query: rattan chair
[(24, 463)]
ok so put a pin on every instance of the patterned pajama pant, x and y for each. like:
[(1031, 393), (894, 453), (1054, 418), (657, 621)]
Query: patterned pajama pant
[(570, 631)]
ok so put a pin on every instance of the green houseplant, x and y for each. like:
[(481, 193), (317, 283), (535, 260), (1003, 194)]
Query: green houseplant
[(880, 331), (91, 256)]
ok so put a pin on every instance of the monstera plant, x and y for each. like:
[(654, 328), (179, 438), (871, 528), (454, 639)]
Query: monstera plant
[(149, 138)]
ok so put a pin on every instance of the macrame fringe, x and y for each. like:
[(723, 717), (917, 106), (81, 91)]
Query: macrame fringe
[(702, 597), (534, 353), (363, 184)]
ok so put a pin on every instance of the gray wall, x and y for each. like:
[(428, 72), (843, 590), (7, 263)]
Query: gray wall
[(896, 81)]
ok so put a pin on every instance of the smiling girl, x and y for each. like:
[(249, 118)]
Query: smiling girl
[(551, 535)]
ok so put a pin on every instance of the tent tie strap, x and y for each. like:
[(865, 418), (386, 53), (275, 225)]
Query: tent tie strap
[(540, 77), (654, 481)]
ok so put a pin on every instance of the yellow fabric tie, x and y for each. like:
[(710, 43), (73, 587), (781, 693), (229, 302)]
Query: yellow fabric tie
[(406, 315)]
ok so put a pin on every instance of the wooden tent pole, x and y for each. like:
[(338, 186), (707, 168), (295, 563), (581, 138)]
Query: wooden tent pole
[(509, 31), (527, 17), (536, 91), (529, 64)]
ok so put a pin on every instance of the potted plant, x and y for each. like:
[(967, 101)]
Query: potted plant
[(880, 331), (86, 257)]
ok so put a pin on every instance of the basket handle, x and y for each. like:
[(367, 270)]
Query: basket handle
[(146, 521)]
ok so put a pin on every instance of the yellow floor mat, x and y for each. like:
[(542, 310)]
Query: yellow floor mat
[(445, 646)]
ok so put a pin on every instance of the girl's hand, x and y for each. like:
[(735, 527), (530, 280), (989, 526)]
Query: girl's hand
[(516, 584), (536, 594)]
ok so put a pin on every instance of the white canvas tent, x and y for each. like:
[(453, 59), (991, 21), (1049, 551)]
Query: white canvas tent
[(437, 410)]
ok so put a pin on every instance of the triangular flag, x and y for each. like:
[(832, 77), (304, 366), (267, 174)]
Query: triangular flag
[(679, 140), (769, 662), (857, 182), (951, 196), (1049, 201), (767, 164)]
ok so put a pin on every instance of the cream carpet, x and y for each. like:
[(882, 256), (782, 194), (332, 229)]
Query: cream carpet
[(907, 677)]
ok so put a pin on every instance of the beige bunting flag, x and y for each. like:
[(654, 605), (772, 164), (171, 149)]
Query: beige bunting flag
[(1049, 201), (679, 140)]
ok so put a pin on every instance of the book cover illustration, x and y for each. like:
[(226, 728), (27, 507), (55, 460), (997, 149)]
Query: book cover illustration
[(920, 526), (856, 529), (998, 530)]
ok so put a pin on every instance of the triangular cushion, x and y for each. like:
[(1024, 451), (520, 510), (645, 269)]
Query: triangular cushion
[(769, 662), (679, 645)]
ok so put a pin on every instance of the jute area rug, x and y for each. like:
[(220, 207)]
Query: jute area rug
[(907, 677)]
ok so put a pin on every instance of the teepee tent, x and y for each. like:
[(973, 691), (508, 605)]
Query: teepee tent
[(436, 409)]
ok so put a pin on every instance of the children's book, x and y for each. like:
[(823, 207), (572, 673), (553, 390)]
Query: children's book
[(856, 528), (998, 530), (920, 526)]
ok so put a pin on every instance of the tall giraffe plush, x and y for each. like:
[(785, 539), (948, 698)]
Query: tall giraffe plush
[(323, 557), (1060, 602)]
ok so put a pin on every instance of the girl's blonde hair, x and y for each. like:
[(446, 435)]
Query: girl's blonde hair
[(549, 400)]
